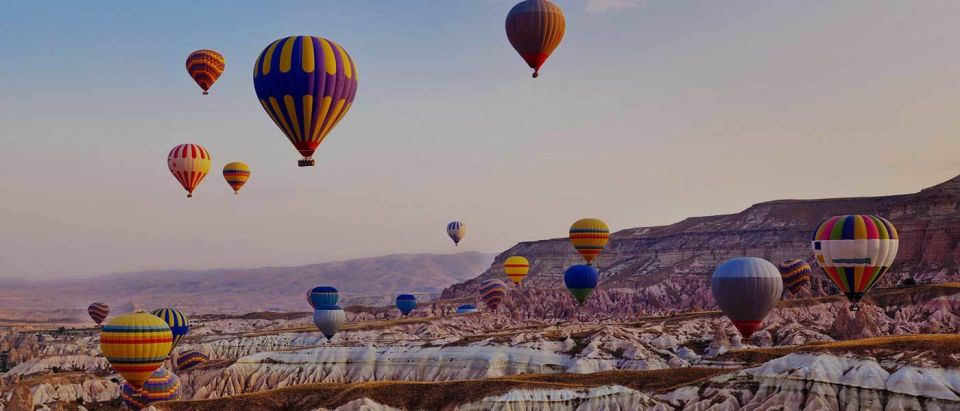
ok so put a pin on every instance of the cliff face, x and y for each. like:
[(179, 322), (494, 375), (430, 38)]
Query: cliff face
[(648, 266)]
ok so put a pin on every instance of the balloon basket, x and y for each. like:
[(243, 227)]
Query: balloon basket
[(855, 307), (306, 162)]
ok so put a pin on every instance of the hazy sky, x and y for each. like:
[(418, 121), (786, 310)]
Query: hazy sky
[(647, 113)]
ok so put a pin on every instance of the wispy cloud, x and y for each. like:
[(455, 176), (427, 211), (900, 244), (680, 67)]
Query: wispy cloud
[(605, 6)]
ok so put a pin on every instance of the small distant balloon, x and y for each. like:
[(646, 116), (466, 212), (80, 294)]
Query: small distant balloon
[(205, 67), (516, 268), (98, 312), (466, 309), (535, 29), (796, 275), (236, 173), (581, 280), (406, 303), (456, 230), (589, 236), (189, 359), (492, 293), (189, 163), (746, 289)]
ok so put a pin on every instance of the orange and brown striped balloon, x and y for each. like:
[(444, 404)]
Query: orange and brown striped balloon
[(205, 66), (535, 28)]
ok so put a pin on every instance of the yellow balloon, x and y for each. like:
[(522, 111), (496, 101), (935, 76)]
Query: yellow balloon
[(516, 268), (236, 173), (589, 236), (136, 345)]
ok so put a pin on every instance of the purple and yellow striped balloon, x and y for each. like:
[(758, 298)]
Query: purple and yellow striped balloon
[(306, 85), (162, 385)]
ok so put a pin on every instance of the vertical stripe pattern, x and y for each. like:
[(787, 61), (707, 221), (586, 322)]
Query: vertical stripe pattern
[(589, 236), (176, 320), (746, 289), (456, 230), (189, 164), (329, 319), (135, 345), (205, 67), (162, 385), (535, 29), (322, 295), (855, 251), (306, 85), (236, 173)]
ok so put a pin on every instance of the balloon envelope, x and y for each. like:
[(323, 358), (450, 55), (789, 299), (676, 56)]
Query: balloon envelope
[(589, 236), (516, 268), (189, 359), (189, 163), (535, 29), (456, 230), (406, 303), (162, 385), (466, 309), (178, 322), (581, 280), (205, 67), (796, 275), (98, 312), (135, 345), (306, 85), (236, 173), (492, 293), (746, 289), (855, 251), (329, 319), (322, 295)]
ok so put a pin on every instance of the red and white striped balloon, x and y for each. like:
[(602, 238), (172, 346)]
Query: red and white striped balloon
[(189, 163)]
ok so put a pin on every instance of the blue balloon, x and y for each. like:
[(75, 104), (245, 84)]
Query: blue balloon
[(406, 303), (466, 309), (322, 295), (581, 280)]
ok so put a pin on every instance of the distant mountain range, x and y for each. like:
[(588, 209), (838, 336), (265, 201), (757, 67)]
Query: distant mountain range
[(244, 290), (668, 267)]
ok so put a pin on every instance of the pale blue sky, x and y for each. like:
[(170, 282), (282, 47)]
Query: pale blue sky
[(647, 113)]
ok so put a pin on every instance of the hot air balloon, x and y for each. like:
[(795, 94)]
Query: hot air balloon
[(322, 295), (589, 236), (236, 173), (796, 275), (516, 268), (178, 322), (189, 163), (205, 66), (162, 385), (329, 319), (746, 289), (406, 303), (135, 345), (456, 230), (98, 312), (535, 28), (189, 359), (855, 251), (466, 309), (492, 293), (581, 280), (306, 85)]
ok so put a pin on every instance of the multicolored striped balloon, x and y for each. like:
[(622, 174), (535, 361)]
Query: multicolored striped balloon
[(406, 303), (855, 251), (135, 345), (516, 268), (189, 163), (236, 173), (535, 29), (492, 293), (306, 85), (796, 275), (322, 295), (162, 385), (746, 289), (205, 66), (329, 319), (98, 312), (189, 359), (589, 236), (466, 309), (581, 280), (456, 230), (178, 322)]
